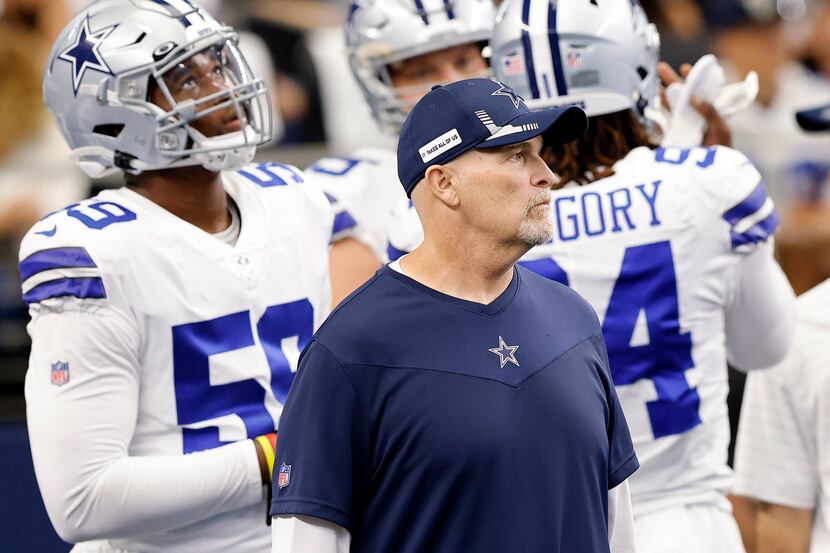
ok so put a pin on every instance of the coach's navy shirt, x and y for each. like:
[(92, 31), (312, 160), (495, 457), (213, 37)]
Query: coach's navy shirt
[(425, 423)]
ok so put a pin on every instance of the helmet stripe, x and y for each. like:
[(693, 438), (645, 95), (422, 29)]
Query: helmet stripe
[(183, 15), (528, 50), (423, 13), (556, 55), (448, 7)]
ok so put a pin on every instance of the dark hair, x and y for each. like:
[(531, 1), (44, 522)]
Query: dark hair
[(609, 139)]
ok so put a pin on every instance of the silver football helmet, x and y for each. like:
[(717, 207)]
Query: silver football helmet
[(114, 55), (599, 54), (382, 32)]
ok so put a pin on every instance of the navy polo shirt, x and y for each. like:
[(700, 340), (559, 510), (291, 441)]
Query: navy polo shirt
[(421, 422)]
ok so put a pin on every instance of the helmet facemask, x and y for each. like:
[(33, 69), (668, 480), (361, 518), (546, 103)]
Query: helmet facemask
[(233, 95), (177, 140), (393, 103), (380, 33)]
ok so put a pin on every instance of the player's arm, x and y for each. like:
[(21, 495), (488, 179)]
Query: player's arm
[(302, 534), (351, 263), (761, 314), (776, 455), (621, 520), (759, 302), (80, 434), (782, 529)]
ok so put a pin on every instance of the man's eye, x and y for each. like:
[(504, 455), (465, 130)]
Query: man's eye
[(188, 84), (517, 156), (423, 74)]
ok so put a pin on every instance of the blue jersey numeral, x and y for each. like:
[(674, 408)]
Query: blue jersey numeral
[(338, 166), (678, 156), (647, 284), (100, 215), (271, 174), (197, 400)]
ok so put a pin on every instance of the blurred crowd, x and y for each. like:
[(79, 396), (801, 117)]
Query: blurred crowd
[(297, 46)]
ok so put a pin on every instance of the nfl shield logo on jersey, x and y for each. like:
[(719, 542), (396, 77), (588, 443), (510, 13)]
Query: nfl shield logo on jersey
[(60, 373), (285, 476)]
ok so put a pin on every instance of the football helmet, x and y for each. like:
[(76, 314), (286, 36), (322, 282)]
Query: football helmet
[(382, 32), (108, 61), (598, 54)]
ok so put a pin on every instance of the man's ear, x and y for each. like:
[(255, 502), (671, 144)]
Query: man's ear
[(442, 182)]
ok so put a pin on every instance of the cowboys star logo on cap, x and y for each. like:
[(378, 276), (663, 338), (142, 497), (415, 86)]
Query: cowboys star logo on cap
[(85, 53), (509, 93)]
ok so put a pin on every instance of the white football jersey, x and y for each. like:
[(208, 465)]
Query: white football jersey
[(657, 250), (364, 189), (159, 349)]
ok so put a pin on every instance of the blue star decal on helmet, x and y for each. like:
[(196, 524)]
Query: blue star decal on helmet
[(508, 93), (85, 53)]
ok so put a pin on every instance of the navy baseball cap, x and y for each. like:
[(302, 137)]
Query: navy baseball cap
[(476, 113), (816, 119)]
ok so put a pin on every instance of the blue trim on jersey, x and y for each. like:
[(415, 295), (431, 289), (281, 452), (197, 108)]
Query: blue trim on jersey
[(748, 205), (448, 7), (422, 12), (528, 50), (183, 19), (92, 287), (343, 221), (394, 253), (55, 258), (758, 233), (556, 55)]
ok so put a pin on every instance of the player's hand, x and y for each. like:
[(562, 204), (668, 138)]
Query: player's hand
[(266, 449), (717, 129)]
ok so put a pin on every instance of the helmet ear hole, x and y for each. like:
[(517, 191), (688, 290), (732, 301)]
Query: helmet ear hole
[(642, 72), (111, 130)]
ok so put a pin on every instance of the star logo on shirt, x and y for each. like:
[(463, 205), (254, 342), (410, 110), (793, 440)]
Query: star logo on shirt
[(508, 93), (505, 358), (85, 53)]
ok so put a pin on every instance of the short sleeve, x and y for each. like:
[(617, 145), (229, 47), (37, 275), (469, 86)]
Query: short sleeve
[(622, 461), (775, 456), (362, 190), (322, 462), (745, 206)]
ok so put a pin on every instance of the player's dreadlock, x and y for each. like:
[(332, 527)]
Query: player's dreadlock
[(609, 139)]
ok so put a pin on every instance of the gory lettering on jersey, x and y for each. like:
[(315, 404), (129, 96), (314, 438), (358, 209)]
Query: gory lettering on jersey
[(592, 214)]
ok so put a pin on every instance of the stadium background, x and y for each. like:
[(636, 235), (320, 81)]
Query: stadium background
[(297, 45)]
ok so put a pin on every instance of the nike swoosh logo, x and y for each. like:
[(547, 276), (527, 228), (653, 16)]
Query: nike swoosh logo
[(50, 232)]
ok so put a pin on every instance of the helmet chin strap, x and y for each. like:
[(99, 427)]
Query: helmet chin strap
[(232, 151)]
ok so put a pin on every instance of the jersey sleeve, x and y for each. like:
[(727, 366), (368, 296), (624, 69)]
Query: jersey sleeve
[(741, 197), (82, 396), (272, 174), (322, 462), (362, 197), (776, 457)]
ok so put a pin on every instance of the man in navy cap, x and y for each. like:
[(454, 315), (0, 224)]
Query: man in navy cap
[(445, 406)]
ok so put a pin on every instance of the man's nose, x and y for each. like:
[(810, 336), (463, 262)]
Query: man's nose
[(543, 177)]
